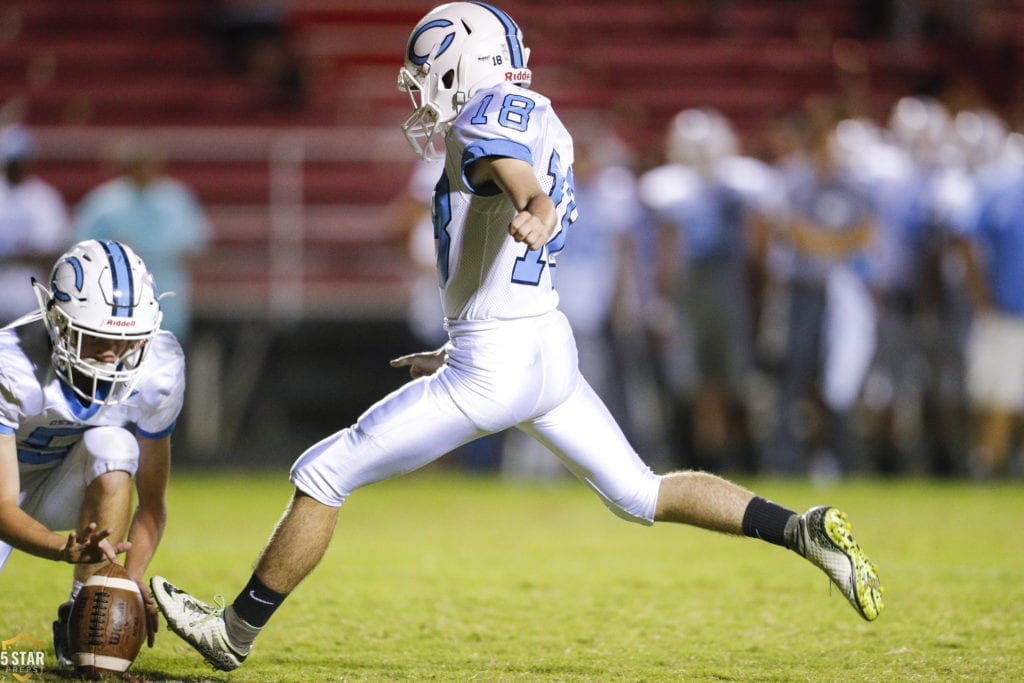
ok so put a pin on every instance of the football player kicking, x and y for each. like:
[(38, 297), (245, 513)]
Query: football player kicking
[(84, 410), (501, 210)]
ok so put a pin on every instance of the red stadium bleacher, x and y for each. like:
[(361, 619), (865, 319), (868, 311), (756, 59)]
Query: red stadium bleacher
[(107, 69)]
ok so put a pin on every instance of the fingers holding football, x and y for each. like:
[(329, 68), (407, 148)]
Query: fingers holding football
[(92, 546)]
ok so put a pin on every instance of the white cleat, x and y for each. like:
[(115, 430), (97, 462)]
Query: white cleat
[(200, 625)]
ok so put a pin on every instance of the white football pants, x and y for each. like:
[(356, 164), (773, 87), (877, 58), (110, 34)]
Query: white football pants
[(499, 374)]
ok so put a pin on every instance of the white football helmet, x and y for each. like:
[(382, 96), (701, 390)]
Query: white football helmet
[(453, 51), (981, 134), (699, 138), (99, 290), (922, 125)]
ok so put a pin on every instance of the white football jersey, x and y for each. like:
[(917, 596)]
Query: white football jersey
[(484, 274), (48, 418)]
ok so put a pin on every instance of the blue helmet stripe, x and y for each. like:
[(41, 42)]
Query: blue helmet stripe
[(511, 34), (121, 275)]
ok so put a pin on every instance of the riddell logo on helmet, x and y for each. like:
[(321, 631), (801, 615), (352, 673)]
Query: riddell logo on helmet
[(121, 322), (513, 76)]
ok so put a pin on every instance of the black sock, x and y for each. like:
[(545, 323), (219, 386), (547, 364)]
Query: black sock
[(765, 520), (257, 603)]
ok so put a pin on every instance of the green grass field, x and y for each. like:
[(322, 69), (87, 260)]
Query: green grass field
[(440, 577)]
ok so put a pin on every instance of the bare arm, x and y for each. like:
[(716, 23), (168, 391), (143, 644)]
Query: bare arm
[(814, 240), (535, 223), (666, 261), (23, 532), (150, 517), (977, 285)]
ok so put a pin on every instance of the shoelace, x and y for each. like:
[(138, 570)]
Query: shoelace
[(207, 612)]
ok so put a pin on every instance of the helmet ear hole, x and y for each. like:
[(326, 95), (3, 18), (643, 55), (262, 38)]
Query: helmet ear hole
[(448, 79)]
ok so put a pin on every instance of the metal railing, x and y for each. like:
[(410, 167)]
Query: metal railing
[(286, 154)]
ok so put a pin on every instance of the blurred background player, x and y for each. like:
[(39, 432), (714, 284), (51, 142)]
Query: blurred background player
[(502, 209), (926, 293), (34, 225), (830, 316), (90, 388), (886, 173), (708, 217), (994, 254)]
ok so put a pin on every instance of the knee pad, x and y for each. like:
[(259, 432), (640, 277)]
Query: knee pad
[(109, 449)]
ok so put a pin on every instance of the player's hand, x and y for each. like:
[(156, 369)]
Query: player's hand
[(526, 227), (152, 616), (422, 364), (91, 547)]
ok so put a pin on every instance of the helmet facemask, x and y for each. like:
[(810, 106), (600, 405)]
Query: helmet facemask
[(424, 127)]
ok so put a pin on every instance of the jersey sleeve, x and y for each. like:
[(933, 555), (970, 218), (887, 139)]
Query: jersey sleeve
[(500, 122), (9, 408), (9, 412), (20, 394), (162, 387)]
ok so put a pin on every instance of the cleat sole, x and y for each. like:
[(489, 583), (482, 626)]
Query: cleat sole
[(867, 586)]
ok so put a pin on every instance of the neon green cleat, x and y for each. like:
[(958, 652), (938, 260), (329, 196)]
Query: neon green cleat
[(825, 539)]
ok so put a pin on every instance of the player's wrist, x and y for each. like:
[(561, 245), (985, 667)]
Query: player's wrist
[(59, 551)]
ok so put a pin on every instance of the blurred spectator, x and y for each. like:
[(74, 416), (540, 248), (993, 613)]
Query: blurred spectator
[(159, 217), (995, 350), (701, 204), (34, 225), (830, 333), (256, 40)]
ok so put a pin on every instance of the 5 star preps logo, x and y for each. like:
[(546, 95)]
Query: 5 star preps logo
[(21, 656)]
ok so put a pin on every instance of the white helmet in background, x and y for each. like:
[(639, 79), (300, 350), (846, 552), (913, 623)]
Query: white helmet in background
[(922, 126), (99, 289), (981, 134), (453, 51), (699, 138)]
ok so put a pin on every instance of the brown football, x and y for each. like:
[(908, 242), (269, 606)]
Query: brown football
[(108, 624)]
